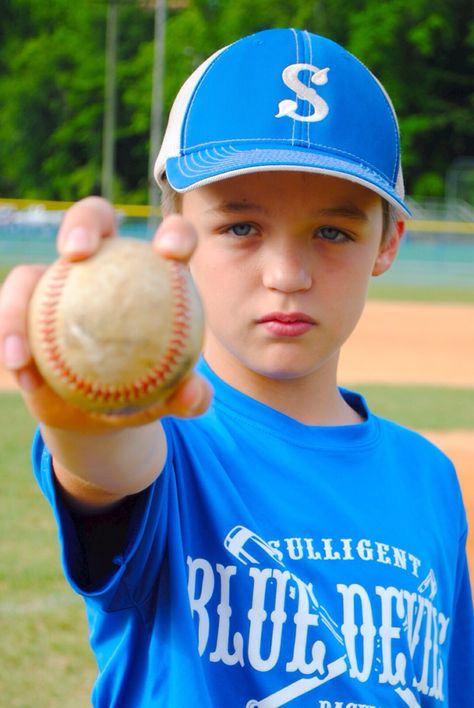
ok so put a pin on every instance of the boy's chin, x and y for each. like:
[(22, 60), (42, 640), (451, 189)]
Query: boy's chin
[(283, 365), (289, 371)]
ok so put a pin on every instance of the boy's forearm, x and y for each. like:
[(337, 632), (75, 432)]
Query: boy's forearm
[(96, 471)]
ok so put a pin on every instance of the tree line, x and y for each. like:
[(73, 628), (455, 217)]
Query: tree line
[(52, 69)]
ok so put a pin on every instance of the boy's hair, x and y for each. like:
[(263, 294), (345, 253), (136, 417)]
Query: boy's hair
[(171, 203), (283, 99)]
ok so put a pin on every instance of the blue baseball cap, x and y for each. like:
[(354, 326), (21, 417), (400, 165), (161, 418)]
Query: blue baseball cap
[(283, 99)]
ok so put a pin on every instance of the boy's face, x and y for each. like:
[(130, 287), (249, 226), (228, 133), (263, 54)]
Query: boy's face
[(282, 265)]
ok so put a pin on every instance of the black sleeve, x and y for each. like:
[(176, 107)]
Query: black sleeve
[(102, 537)]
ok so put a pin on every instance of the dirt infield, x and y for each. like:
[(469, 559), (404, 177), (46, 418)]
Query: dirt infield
[(413, 343)]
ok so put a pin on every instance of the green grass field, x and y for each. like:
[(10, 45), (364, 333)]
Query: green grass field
[(421, 407), (45, 659), (380, 290), (44, 656)]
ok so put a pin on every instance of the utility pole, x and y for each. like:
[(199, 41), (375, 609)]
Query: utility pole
[(156, 119), (110, 107)]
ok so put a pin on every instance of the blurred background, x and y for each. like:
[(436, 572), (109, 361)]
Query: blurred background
[(85, 90)]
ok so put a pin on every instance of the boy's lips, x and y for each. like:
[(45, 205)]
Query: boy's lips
[(287, 324)]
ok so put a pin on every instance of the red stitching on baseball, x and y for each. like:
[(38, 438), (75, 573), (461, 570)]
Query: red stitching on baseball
[(158, 375)]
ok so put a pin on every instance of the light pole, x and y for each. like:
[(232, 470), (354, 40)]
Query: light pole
[(110, 102), (156, 118)]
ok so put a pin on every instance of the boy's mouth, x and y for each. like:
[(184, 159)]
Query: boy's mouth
[(287, 324)]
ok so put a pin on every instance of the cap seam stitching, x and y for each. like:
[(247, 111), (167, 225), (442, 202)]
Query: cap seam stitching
[(308, 41), (293, 128)]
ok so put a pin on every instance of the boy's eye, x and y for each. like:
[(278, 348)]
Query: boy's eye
[(331, 233), (243, 229)]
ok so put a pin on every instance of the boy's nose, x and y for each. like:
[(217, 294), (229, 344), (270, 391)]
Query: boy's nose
[(287, 270)]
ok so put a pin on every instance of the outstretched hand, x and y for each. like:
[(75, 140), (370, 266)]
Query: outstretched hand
[(84, 226)]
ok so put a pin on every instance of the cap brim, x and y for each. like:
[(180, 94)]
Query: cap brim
[(202, 167)]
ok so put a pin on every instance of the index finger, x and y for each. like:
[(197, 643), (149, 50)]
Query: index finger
[(85, 224)]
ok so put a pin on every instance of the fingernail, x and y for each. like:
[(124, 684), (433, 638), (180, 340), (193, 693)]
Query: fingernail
[(78, 240), (171, 241), (15, 353)]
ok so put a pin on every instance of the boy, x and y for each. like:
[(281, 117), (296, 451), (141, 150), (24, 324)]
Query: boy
[(286, 546)]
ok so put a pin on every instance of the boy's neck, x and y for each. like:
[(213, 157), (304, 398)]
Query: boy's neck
[(312, 400)]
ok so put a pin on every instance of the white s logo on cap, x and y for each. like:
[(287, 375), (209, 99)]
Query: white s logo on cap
[(290, 77)]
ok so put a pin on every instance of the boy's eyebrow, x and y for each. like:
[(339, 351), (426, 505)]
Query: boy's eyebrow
[(232, 207), (346, 210)]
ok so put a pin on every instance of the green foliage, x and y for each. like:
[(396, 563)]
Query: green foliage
[(52, 88), (422, 50), (52, 69)]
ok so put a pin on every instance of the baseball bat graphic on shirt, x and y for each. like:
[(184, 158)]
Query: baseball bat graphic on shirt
[(250, 549)]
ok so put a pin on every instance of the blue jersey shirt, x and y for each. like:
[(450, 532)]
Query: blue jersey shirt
[(274, 563)]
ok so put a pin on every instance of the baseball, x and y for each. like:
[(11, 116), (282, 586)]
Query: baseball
[(115, 333)]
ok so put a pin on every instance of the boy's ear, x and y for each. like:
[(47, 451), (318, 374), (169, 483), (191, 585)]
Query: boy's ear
[(389, 249)]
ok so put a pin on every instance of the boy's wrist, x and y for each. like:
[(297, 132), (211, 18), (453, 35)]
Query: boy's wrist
[(98, 470)]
